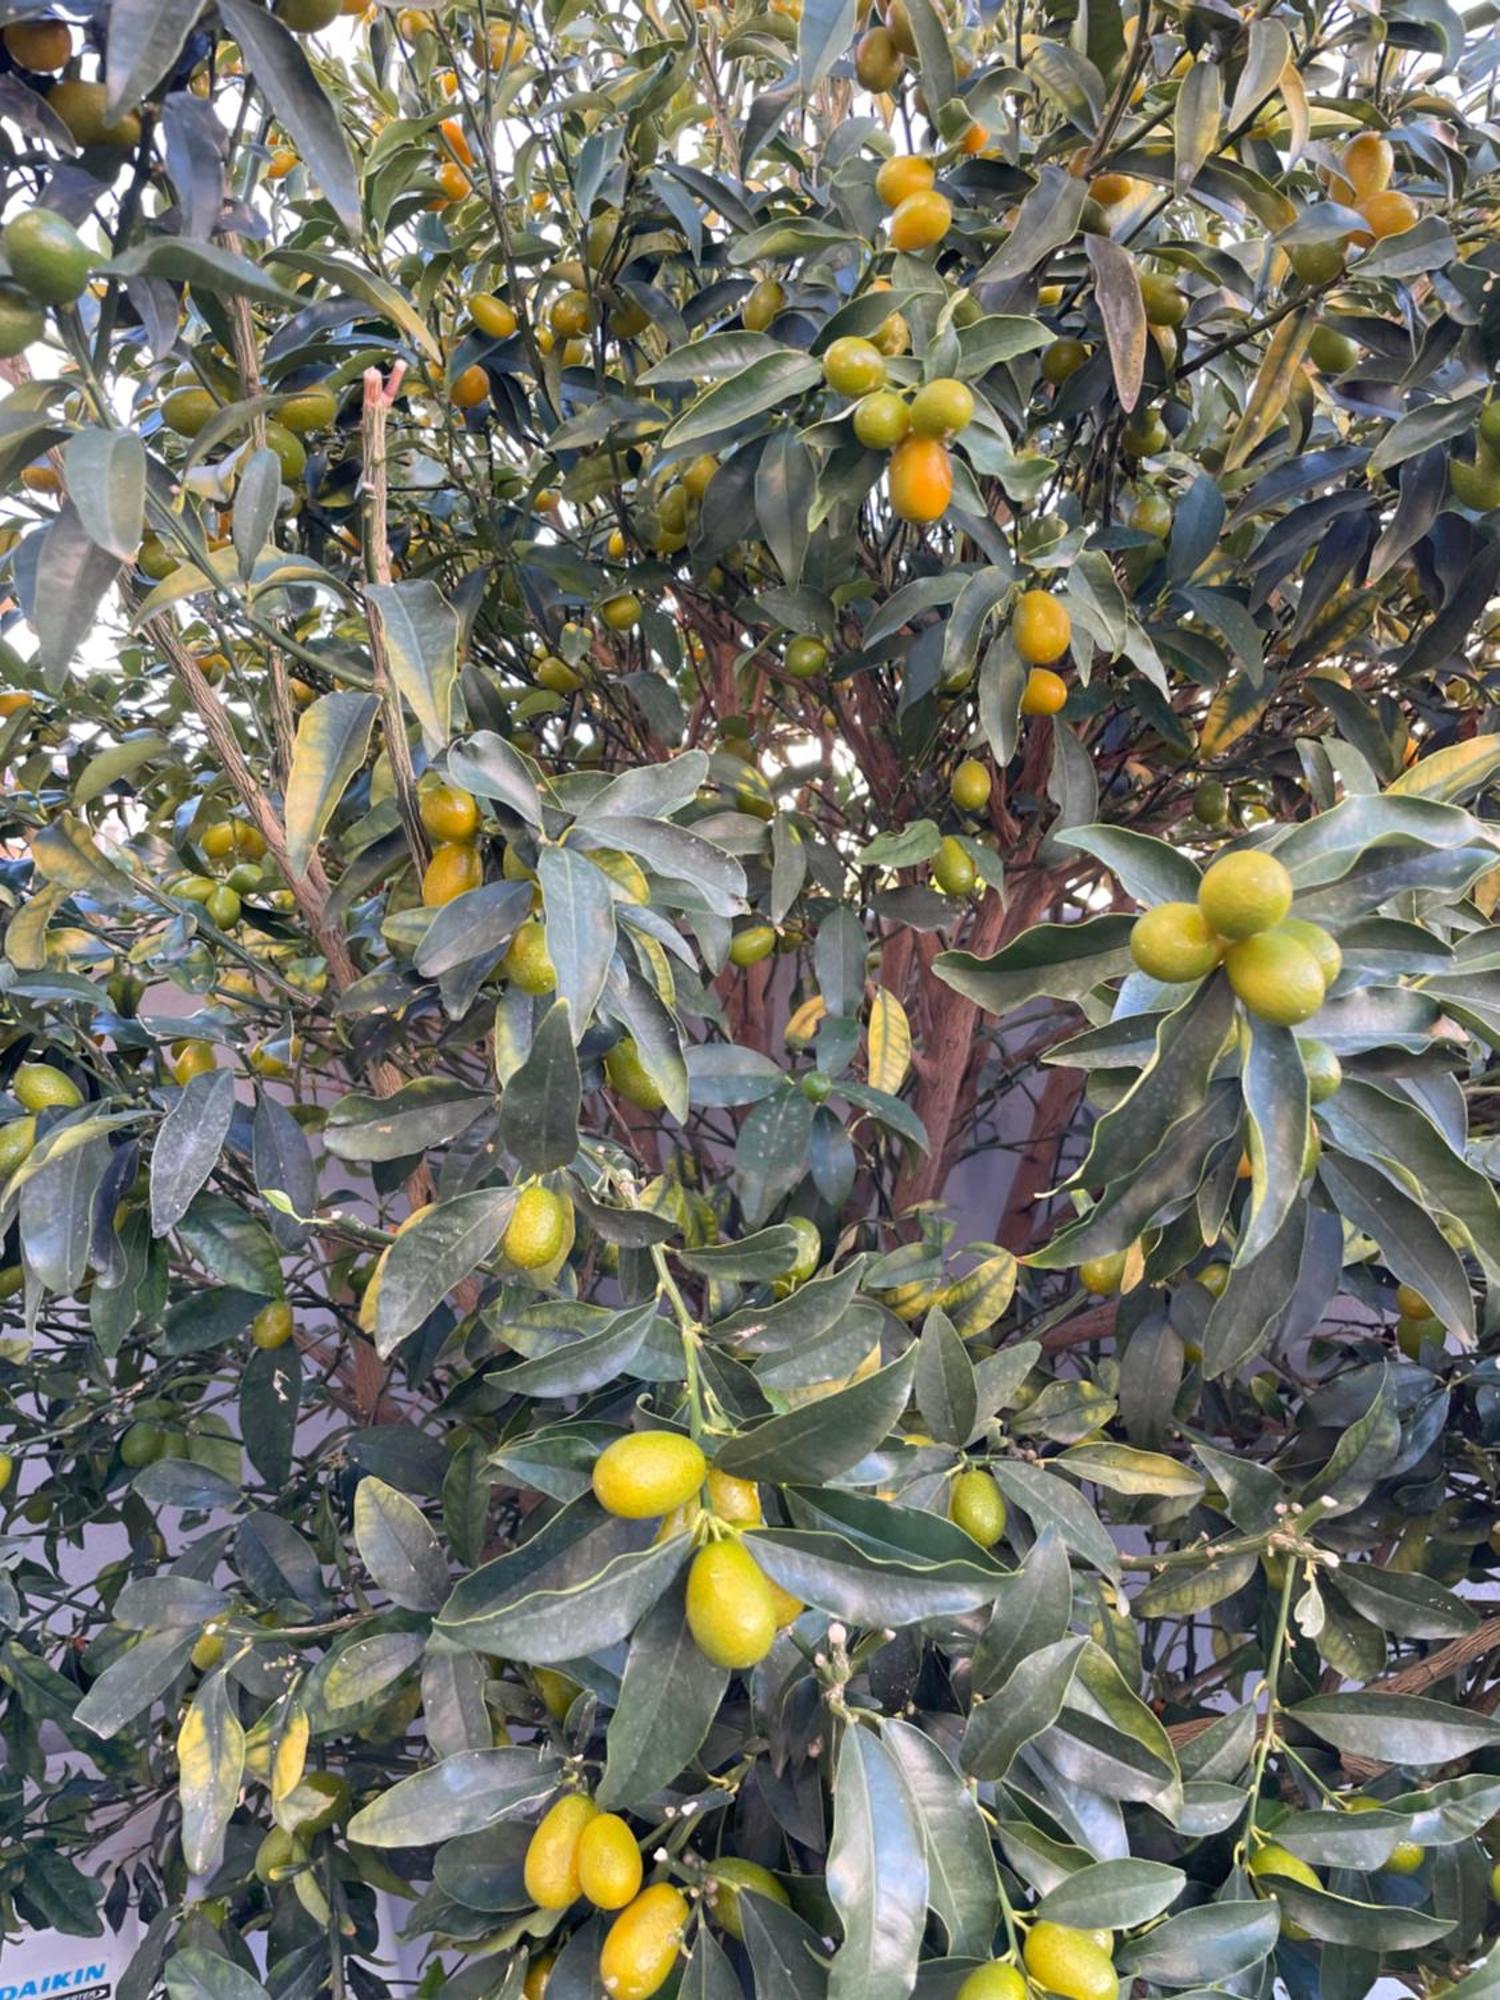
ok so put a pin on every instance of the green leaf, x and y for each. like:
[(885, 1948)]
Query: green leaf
[(1029, 1701), (210, 1764), (1113, 1895), (786, 485), (1117, 292), (1061, 961), (580, 922), (1147, 868), (766, 1254), (1276, 1111), (961, 1884), (421, 631), (579, 1366), (108, 767), (188, 1146), (1032, 1610), (1048, 218), (398, 1548), (462, 1794), (826, 1438), (1174, 1080), (876, 1873), (1045, 1499), (274, 58), (231, 1245), (196, 1974), (544, 1626), (1340, 1920), (1217, 1941), (669, 1696), (431, 1111), (1397, 1729), (1124, 1469), (361, 1674), (206, 267), (105, 472), (1410, 1241), (947, 1394), (540, 1104), (1196, 119), (130, 1684), (333, 737), (439, 1251), (786, 1955), (767, 384), (72, 576), (863, 1588)]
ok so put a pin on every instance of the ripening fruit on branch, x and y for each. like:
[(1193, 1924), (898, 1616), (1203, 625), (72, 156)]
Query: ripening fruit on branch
[(492, 316), (629, 1077), (1390, 213), (1045, 693), (448, 812), (878, 62), (537, 1231), (47, 256), (921, 479), (995, 1981), (853, 367), (1322, 945), (921, 221), (730, 1611), (881, 419), (1069, 1962), (903, 175), (550, 1872), (1041, 628), (977, 1505), (455, 868), (527, 964), (729, 1880), (1103, 1276), (1276, 978), (764, 301), (608, 1862), (970, 786), (641, 1947), (942, 409), (647, 1473), (1244, 893), (1173, 943), (272, 1325), (1273, 1861)]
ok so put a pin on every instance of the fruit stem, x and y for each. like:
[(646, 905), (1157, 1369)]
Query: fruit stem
[(1268, 1740), (691, 1333)]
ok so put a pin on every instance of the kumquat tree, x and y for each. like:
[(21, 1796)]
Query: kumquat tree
[(750, 997)]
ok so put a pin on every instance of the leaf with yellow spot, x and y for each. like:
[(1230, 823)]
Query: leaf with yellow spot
[(803, 1025), (978, 1299), (210, 1765), (1232, 714), (1449, 774), (889, 1043), (1271, 388), (289, 1759)]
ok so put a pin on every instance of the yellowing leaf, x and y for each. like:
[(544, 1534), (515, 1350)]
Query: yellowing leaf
[(290, 1757), (210, 1764), (803, 1025), (1232, 714), (889, 1043), (1272, 385), (1449, 774), (977, 1300)]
